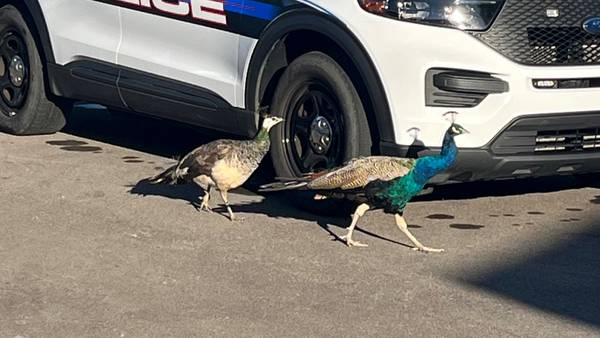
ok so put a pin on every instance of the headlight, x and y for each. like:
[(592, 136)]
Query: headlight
[(463, 14)]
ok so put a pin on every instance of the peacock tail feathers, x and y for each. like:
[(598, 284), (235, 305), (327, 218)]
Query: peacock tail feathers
[(359, 172)]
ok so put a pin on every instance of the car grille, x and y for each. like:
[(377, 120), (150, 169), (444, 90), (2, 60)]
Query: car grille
[(568, 140), (551, 134), (524, 33)]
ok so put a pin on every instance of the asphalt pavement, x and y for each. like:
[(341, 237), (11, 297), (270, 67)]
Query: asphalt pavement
[(88, 249)]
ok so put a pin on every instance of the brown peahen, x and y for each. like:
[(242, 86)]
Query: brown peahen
[(379, 182), (223, 164)]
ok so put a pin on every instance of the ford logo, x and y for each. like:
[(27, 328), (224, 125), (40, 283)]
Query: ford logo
[(592, 26)]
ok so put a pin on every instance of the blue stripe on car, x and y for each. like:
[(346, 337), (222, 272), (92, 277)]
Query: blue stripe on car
[(252, 8)]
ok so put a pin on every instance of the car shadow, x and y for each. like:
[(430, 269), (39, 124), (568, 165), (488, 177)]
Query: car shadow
[(173, 140), (471, 190), (138, 132), (160, 137), (561, 279)]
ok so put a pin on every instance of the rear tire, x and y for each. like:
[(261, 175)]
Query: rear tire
[(325, 125), (25, 107)]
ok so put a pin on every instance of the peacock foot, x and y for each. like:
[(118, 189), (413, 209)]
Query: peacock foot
[(426, 249), (234, 218), (350, 242)]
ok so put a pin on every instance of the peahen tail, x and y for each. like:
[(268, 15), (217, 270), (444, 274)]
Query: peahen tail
[(168, 176)]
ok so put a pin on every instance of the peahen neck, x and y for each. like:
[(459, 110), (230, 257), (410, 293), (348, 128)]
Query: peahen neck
[(429, 166), (263, 135)]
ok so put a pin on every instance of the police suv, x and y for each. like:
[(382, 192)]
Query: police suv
[(350, 77)]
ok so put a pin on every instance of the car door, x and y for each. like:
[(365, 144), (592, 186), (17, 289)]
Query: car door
[(182, 59), (85, 36), (82, 29)]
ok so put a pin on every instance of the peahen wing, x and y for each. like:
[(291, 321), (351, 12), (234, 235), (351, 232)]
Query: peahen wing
[(201, 160), (359, 172)]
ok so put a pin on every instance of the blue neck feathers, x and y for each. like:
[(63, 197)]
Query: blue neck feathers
[(429, 166)]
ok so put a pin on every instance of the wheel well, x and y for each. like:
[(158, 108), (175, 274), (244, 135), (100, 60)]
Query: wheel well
[(294, 45), (32, 14)]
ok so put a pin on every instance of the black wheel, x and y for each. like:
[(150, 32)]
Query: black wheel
[(325, 122), (25, 108)]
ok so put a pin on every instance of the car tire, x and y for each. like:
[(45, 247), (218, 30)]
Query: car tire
[(25, 107), (324, 119)]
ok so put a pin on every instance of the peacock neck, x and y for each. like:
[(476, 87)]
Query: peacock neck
[(449, 149), (429, 166)]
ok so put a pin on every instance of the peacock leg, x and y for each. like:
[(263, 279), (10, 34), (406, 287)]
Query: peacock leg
[(401, 223), (231, 215), (204, 205), (358, 213)]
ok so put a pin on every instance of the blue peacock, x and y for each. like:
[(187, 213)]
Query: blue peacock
[(379, 182)]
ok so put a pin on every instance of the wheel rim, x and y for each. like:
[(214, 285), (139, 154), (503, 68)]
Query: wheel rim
[(14, 72), (314, 130)]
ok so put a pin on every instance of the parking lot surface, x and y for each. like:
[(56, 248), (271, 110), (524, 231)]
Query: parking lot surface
[(87, 248)]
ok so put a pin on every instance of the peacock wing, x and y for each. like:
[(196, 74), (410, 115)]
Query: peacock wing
[(389, 168), (357, 173)]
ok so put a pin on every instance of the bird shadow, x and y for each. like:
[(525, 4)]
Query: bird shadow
[(190, 193), (415, 148), (282, 207), (278, 207)]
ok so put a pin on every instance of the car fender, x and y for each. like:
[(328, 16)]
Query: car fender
[(322, 22)]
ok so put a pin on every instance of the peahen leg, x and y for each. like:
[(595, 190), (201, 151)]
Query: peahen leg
[(231, 215), (401, 223), (358, 213), (204, 205)]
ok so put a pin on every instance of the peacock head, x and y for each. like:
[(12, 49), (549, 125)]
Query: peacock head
[(456, 129), (270, 122)]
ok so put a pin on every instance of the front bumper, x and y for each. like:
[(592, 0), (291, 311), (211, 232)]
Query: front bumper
[(533, 146), (482, 165), (404, 52)]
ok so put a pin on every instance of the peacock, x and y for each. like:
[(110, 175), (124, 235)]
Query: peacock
[(224, 164), (379, 182)]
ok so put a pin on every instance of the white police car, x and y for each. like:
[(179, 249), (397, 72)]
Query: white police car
[(351, 77)]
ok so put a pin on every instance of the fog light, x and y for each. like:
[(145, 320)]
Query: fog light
[(545, 83)]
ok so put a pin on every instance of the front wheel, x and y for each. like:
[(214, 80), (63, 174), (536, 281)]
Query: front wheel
[(325, 122), (24, 105)]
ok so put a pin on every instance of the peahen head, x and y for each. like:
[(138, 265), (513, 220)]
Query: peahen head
[(270, 122), (456, 129)]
